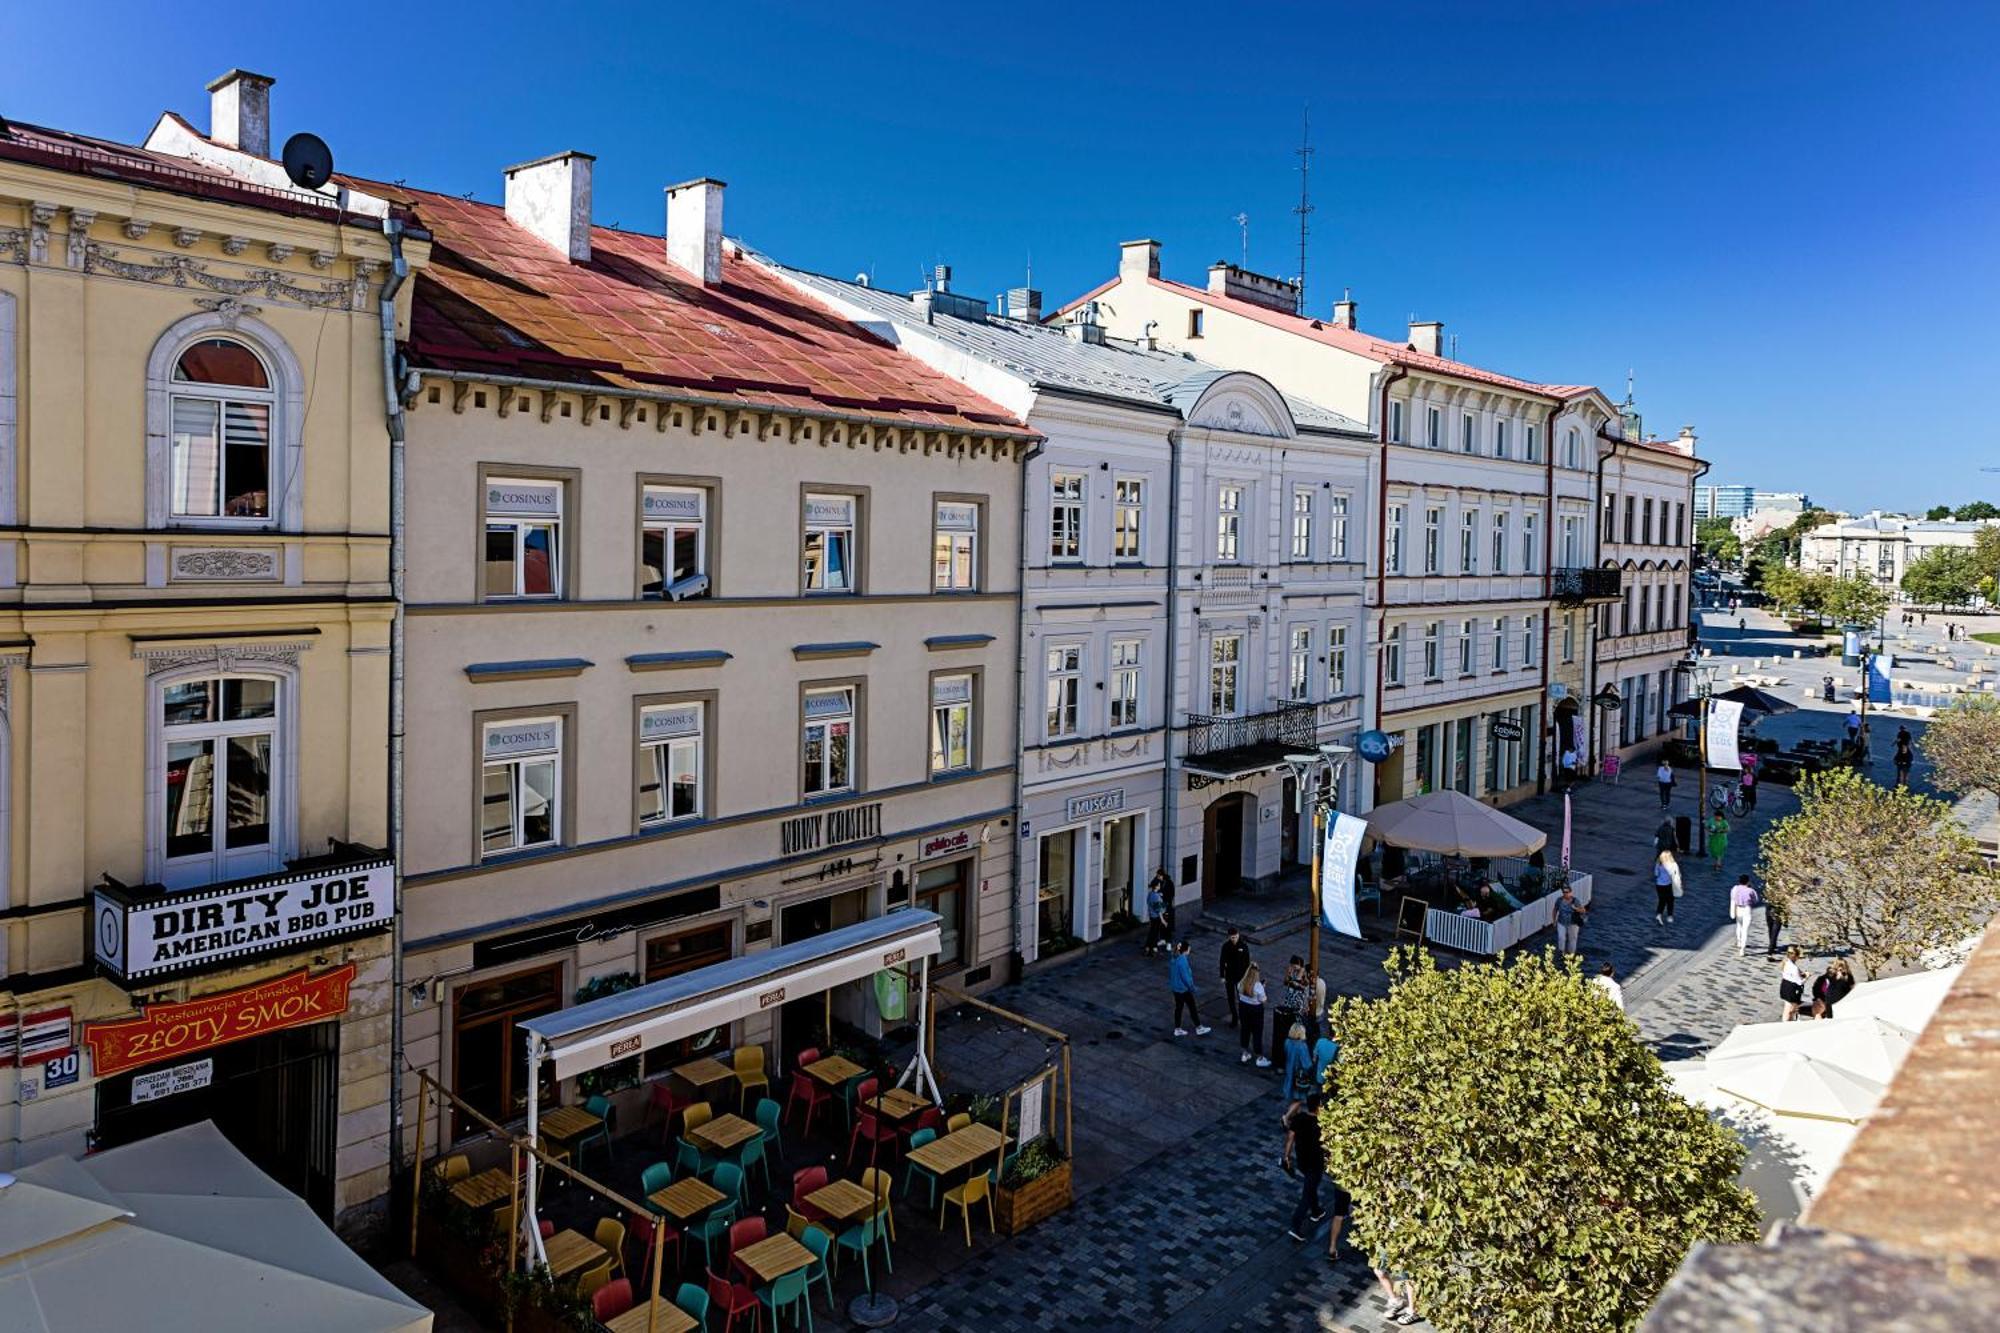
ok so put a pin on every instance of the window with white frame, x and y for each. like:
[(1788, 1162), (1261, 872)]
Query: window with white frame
[(1433, 519), (1531, 639), (520, 784), (1433, 428), (1572, 448), (1499, 643), (1228, 522), (1336, 526), (1467, 646), (1468, 433), (524, 531), (951, 723), (1125, 680), (829, 544), (218, 772), (827, 741), (670, 762), (1531, 443), (1063, 684), (1336, 661), (955, 546), (220, 423), (1298, 673), (1572, 541), (1302, 523), (1433, 652), (1500, 437), (1569, 636), (673, 541), (1398, 516), (1468, 542), (1499, 541), (1065, 516), (1531, 541), (1128, 518), (1392, 656), (1225, 659), (1396, 421)]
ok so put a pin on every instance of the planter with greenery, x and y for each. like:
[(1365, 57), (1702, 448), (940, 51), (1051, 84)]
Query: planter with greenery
[(1034, 1185)]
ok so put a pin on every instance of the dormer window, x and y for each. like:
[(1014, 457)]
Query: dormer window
[(221, 433), (1194, 323)]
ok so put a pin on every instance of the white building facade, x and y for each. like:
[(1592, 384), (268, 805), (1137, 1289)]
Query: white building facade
[(1881, 547), (1646, 531)]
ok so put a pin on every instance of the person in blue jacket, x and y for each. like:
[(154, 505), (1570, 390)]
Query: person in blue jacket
[(1298, 1064), (1325, 1051), (1180, 980)]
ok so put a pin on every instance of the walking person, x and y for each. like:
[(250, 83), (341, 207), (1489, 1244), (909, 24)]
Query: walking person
[(1292, 1000), (1250, 1016), (1905, 756), (1718, 838), (1774, 921), (1607, 981), (1831, 988), (1742, 902), (1666, 888), (1853, 725), (1305, 1155), (1792, 985), (1402, 1292), (1665, 838), (1298, 1063), (1180, 980), (1159, 912), (1339, 1203), (1749, 781), (1235, 961), (1569, 919), (1664, 775)]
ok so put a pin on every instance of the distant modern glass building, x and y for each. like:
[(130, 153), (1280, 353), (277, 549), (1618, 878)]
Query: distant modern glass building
[(1741, 501)]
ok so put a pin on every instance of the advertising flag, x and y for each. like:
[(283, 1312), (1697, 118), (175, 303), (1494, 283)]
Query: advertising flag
[(1336, 874)]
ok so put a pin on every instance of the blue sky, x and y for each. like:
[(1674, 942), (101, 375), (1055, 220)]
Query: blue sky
[(1781, 216)]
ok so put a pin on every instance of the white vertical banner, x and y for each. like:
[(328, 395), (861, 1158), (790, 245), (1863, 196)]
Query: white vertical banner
[(1336, 873), (1724, 715)]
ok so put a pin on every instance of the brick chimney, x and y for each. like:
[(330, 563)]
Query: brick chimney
[(1139, 260), (694, 229), (550, 198), (1343, 313), (239, 112), (1427, 336)]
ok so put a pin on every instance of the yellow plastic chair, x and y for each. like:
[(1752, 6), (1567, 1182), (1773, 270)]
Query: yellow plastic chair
[(796, 1223), (962, 1120), (880, 1182), (974, 1190), (592, 1279), (611, 1235), (454, 1168), (696, 1116), (750, 1075)]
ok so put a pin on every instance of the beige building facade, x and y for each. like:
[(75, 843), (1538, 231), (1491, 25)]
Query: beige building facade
[(1646, 531), (194, 658)]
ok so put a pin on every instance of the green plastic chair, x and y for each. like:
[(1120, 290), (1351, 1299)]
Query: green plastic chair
[(601, 1136), (728, 1178), (770, 1116), (693, 1302), (913, 1171), (789, 1293), (861, 1237), (820, 1241), (752, 1154), (655, 1178), (714, 1227), (690, 1160)]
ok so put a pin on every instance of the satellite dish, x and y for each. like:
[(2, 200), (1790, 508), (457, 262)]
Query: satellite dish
[(308, 161)]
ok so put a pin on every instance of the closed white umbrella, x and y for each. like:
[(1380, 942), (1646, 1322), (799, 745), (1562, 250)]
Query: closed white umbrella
[(1787, 1159), (1871, 1047), (1787, 1083), (1908, 1001), (1454, 824)]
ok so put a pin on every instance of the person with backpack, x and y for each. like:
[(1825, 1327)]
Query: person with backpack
[(1180, 980), (1293, 1000), (1298, 1063), (1905, 756)]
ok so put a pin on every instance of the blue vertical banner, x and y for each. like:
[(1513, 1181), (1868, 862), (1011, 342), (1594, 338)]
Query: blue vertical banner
[(1336, 874), (1878, 681)]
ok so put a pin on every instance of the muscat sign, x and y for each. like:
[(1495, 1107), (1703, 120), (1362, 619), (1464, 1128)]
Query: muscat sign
[(169, 1031)]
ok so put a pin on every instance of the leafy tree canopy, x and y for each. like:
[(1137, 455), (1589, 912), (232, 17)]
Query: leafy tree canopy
[(1944, 577), (1963, 743), (1854, 600), (1718, 540), (1976, 509), (1513, 1145), (1937, 512)]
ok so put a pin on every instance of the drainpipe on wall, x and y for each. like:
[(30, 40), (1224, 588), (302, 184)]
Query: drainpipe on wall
[(1382, 548), (1548, 608), (1168, 805), (1020, 699), (1597, 539), (392, 404)]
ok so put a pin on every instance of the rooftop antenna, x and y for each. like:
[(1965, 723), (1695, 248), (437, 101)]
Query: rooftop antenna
[(1243, 220), (1305, 207)]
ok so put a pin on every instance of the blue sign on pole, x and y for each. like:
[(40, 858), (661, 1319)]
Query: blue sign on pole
[(1878, 681), (1375, 746), (1336, 874)]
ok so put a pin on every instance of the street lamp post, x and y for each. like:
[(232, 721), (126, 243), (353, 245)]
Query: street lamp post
[(1303, 767), (1702, 675)]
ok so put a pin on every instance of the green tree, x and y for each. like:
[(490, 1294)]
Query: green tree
[(1986, 552), (1879, 870), (1718, 541), (1945, 577), (1963, 744), (1814, 591), (1976, 509), (1513, 1145), (1782, 584), (1937, 512), (1855, 600)]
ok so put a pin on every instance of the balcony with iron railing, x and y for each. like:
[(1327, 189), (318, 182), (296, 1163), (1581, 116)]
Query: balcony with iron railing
[(1573, 585), (1221, 747)]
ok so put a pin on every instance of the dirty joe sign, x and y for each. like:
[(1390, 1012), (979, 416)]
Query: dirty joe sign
[(182, 932)]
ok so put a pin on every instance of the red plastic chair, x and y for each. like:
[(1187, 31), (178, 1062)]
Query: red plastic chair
[(809, 1056), (932, 1119), (744, 1234), (611, 1300), (730, 1299), (806, 1088), (669, 1104), (641, 1227), (870, 1129), (804, 1182)]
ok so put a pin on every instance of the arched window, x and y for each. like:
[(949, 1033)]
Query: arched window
[(221, 424), (220, 777)]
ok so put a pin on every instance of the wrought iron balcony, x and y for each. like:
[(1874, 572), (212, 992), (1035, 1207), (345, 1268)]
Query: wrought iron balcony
[(1221, 748), (1573, 585)]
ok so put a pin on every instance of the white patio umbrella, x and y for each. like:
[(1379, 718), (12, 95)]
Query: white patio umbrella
[(1871, 1047), (1789, 1083), (1907, 1001), (1452, 823), (1787, 1159)]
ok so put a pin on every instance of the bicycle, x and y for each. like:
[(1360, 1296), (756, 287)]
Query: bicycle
[(1727, 798)]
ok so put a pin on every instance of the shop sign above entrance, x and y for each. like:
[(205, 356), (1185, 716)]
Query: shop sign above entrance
[(1506, 729), (830, 828), (1375, 746), (947, 842), (1087, 807), (169, 1031), (141, 934)]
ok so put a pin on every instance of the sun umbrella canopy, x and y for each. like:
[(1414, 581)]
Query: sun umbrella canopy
[(1787, 1159), (1871, 1047), (1453, 823), (1907, 1001), (1793, 1084), (1753, 700)]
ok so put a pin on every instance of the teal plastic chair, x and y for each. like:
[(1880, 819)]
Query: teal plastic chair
[(690, 1160), (752, 1153), (655, 1178), (787, 1293), (601, 1136), (820, 1241), (770, 1116), (693, 1302), (714, 1227), (861, 1238), (912, 1171), (728, 1178)]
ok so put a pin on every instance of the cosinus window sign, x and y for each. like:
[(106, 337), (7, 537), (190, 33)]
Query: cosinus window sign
[(141, 934)]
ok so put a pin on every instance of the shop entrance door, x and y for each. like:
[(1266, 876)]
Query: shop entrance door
[(803, 1023), (1120, 867), (274, 1097), (1222, 845), (489, 1065)]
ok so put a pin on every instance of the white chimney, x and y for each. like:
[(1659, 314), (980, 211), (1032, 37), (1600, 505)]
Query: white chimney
[(1427, 336), (694, 228), (1343, 313), (550, 198), (239, 112), (1139, 260)]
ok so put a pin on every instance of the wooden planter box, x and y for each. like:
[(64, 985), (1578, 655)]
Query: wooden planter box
[(454, 1262), (1015, 1210)]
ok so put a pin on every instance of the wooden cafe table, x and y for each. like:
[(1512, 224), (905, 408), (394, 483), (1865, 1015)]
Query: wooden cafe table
[(772, 1258), (703, 1074), (834, 1070), (898, 1105), (666, 1317), (724, 1133), (566, 1124), (685, 1200), (572, 1252), (489, 1187), (958, 1150), (843, 1201)]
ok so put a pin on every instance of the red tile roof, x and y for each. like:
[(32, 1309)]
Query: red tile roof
[(496, 300)]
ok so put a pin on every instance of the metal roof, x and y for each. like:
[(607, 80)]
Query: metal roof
[(1051, 359)]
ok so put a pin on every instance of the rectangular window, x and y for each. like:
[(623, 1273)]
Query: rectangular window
[(1645, 609), (955, 546), (1194, 323), (1631, 528), (1646, 521), (828, 741), (1530, 744), (1531, 443), (670, 768), (1336, 525), (1677, 621), (1225, 657), (1302, 523), (1572, 541), (1336, 661), (1680, 523), (951, 724), (1569, 636), (1128, 519), (1398, 514), (1433, 517), (1467, 646), (1531, 639), (1468, 542), (1531, 541), (1572, 448), (1499, 643), (1499, 541), (941, 889), (673, 542), (1433, 657), (1610, 517), (1427, 757), (1433, 428), (1124, 683), (1500, 438), (523, 538), (1228, 523), (1392, 656), (220, 458), (1298, 678), (221, 749), (1396, 421), (1065, 516), (1468, 439), (1065, 663), (520, 784), (830, 551)]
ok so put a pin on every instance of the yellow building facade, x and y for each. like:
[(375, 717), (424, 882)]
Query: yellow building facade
[(195, 621)]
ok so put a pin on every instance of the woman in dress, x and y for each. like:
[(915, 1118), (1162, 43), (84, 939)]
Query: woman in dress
[(1718, 838), (1792, 984)]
